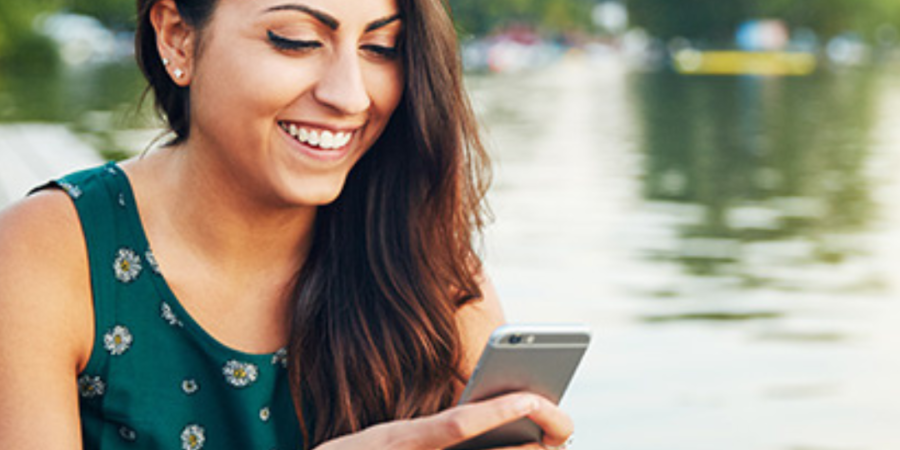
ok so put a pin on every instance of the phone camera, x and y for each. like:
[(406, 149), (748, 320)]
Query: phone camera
[(515, 339)]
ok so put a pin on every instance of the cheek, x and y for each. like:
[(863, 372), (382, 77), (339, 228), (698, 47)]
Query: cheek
[(239, 95), (386, 87)]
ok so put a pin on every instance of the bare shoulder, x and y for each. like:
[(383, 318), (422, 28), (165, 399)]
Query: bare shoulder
[(44, 275), (46, 321)]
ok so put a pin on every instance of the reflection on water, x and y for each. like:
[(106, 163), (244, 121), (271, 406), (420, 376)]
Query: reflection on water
[(100, 102), (732, 241), (761, 161)]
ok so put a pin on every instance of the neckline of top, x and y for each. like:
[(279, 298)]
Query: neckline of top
[(128, 201)]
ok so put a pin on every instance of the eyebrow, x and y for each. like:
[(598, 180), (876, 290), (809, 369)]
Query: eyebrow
[(381, 23), (328, 19)]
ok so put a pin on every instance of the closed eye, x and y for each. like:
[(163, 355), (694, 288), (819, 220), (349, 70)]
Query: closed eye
[(283, 43), (381, 51)]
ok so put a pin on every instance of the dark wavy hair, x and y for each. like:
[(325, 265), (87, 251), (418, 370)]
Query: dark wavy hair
[(374, 335)]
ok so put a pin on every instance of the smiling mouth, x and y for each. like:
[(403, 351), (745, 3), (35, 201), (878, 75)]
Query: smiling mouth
[(318, 138)]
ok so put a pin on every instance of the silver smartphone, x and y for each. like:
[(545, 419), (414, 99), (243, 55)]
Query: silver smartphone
[(539, 358)]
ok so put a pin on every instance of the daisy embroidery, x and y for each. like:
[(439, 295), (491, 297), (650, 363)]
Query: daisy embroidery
[(127, 433), (118, 340), (189, 386), (192, 438), (91, 387), (127, 265), (71, 189), (168, 315), (152, 261), (280, 357), (264, 414), (239, 374)]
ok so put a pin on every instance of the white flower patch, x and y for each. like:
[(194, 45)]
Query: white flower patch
[(280, 357), (127, 265), (90, 386), (193, 437), (118, 340), (240, 374), (71, 189), (189, 386), (151, 259), (265, 414), (165, 311), (127, 434)]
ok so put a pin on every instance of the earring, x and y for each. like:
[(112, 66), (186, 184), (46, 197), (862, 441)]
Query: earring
[(178, 73), (165, 62)]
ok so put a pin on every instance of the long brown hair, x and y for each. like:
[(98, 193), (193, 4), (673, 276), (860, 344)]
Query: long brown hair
[(374, 336)]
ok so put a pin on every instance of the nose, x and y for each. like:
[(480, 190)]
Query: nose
[(342, 86)]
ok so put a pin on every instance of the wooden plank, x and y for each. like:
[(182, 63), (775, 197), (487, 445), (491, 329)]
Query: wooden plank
[(31, 154)]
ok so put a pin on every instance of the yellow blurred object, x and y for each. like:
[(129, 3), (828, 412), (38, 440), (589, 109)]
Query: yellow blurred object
[(695, 62)]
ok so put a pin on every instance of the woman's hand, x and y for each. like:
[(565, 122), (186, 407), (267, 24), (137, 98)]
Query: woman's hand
[(461, 423)]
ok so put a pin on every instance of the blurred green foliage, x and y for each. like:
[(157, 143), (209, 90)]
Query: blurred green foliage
[(716, 20), (707, 20), (116, 14), (18, 41), (480, 17)]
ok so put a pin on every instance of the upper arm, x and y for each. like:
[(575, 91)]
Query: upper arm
[(476, 321), (46, 323)]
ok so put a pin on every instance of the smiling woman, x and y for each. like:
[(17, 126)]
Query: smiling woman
[(293, 267)]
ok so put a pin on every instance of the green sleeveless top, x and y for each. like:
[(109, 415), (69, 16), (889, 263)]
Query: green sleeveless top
[(156, 379)]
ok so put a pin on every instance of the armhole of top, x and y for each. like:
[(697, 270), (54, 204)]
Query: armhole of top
[(90, 197)]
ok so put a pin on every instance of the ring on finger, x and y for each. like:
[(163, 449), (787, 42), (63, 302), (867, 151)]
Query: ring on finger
[(563, 446)]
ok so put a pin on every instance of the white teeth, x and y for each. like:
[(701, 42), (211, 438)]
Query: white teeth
[(324, 139), (327, 140)]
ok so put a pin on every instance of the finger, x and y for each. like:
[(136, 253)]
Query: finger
[(533, 446), (464, 422), (557, 425)]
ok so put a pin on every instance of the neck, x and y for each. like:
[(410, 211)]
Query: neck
[(225, 223)]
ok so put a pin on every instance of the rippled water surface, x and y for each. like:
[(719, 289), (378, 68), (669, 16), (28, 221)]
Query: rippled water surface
[(733, 242)]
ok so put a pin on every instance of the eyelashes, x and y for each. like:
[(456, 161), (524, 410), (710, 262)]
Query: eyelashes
[(292, 45), (380, 50), (283, 43)]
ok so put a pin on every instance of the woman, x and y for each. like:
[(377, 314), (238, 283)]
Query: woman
[(294, 269)]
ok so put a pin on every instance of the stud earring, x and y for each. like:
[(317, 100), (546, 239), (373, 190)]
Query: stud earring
[(178, 73), (165, 62)]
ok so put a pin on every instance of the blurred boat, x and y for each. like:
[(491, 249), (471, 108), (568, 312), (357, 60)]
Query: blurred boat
[(764, 63)]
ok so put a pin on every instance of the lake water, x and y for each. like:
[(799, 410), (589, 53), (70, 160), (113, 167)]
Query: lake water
[(733, 242)]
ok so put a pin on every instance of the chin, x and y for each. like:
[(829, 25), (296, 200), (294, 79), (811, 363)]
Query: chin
[(315, 194)]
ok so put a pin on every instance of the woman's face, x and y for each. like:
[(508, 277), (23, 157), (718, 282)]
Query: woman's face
[(287, 95)]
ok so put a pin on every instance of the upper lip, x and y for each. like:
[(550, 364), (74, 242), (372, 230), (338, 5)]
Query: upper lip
[(320, 126)]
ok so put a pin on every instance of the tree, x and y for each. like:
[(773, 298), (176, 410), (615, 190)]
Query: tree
[(716, 20)]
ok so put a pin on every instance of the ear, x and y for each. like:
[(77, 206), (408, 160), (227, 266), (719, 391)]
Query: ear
[(174, 41)]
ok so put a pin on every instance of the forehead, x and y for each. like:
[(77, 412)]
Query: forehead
[(349, 11)]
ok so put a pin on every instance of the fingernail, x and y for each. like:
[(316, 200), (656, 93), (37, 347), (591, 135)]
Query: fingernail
[(526, 405)]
